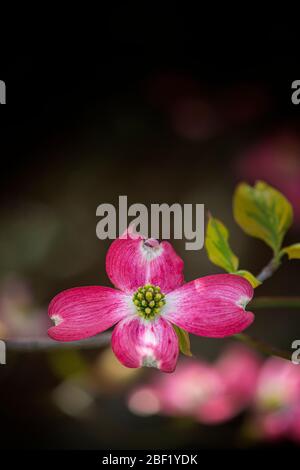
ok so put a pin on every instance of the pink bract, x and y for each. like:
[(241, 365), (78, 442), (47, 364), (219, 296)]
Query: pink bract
[(212, 306)]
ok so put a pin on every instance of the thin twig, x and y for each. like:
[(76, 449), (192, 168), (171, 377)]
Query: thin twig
[(268, 270), (45, 343), (263, 347), (275, 302)]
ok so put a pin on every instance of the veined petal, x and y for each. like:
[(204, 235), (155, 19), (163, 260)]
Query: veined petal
[(86, 311), (138, 343), (133, 261), (212, 306)]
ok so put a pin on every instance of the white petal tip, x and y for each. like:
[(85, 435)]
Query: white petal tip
[(150, 361), (57, 319), (243, 302)]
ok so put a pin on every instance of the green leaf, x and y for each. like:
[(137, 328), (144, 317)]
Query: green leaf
[(293, 251), (184, 341), (262, 212), (249, 276), (217, 246)]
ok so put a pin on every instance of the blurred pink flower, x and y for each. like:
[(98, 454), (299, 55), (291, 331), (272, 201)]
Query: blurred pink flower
[(210, 393), (150, 296), (277, 161), (277, 401)]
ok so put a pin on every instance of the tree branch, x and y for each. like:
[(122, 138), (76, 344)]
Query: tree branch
[(263, 347), (45, 343), (275, 302)]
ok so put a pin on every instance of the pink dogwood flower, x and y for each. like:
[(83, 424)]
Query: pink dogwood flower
[(150, 296), (277, 401), (210, 393)]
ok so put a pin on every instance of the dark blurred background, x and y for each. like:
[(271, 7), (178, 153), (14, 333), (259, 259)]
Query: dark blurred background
[(169, 120)]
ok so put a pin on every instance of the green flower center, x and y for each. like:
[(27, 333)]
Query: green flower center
[(149, 301)]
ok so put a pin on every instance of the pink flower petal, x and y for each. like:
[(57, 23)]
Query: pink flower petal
[(218, 409), (279, 383), (239, 367), (86, 311), (294, 431), (132, 262), (138, 343), (274, 426), (191, 386), (212, 306)]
